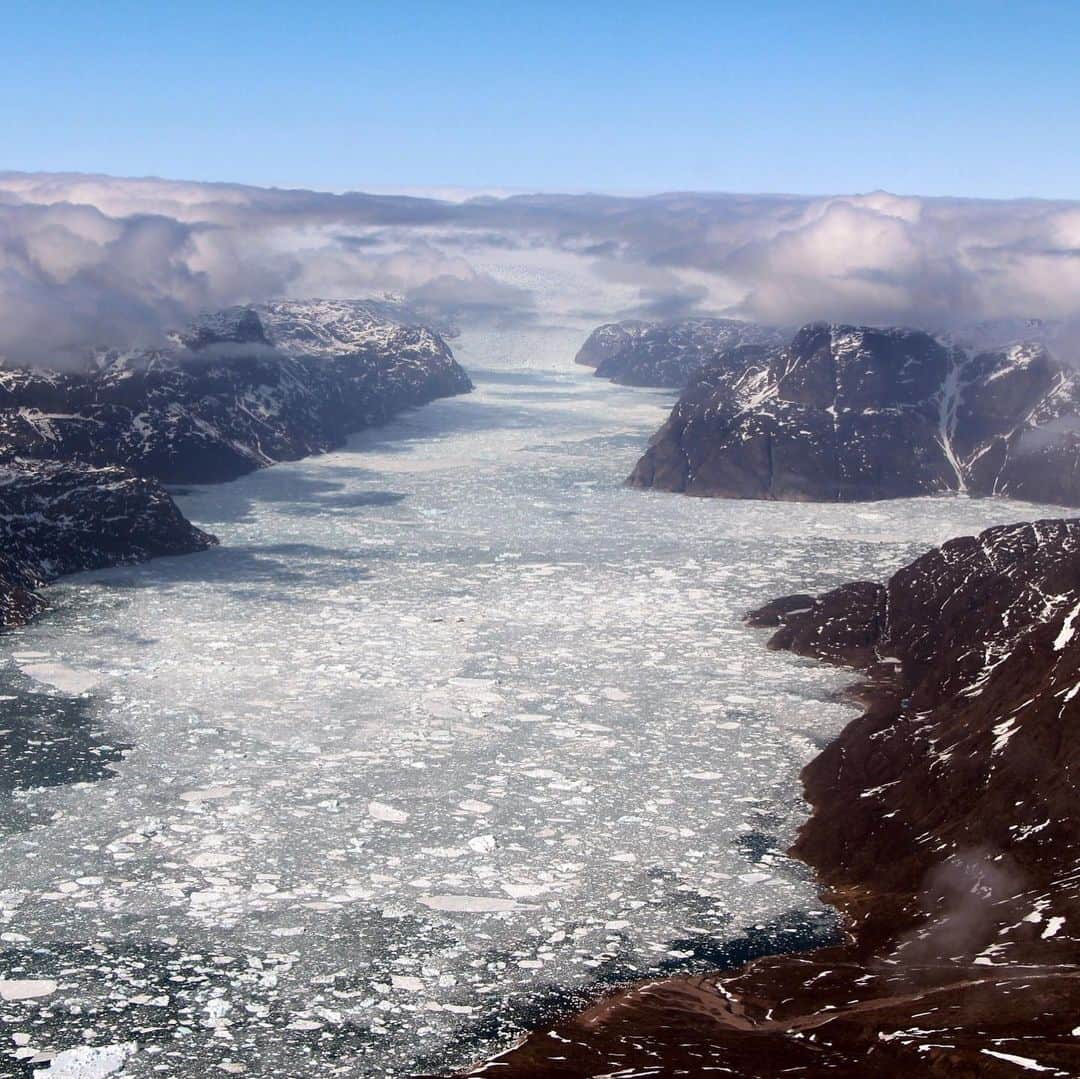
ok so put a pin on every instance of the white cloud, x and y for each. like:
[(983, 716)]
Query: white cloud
[(87, 260)]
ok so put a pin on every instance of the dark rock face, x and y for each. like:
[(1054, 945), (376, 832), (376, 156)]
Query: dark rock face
[(18, 603), (81, 453), (847, 413), (667, 353), (973, 656), (943, 827), (247, 388), (58, 518), (233, 326)]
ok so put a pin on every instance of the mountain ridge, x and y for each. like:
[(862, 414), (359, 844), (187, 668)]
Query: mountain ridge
[(666, 353), (855, 413)]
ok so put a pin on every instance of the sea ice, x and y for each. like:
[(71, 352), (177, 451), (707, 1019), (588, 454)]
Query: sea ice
[(470, 904), (402, 768)]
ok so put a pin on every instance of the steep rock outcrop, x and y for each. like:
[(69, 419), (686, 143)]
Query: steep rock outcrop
[(944, 830), (847, 413)]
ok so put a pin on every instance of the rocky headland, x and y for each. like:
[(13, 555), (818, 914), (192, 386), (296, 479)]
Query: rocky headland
[(58, 518), (84, 453), (943, 829), (240, 390)]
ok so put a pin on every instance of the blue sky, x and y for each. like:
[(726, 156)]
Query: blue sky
[(944, 98)]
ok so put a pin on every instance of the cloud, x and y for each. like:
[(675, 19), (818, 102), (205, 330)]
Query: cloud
[(961, 898), (95, 260), (71, 276)]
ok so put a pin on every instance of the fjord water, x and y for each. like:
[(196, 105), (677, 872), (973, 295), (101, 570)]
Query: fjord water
[(451, 727)]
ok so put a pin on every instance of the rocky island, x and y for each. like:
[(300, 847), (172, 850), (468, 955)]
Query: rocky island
[(666, 354), (851, 413), (83, 453), (943, 829)]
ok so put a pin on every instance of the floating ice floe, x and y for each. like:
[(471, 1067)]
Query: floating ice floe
[(26, 988), (471, 904), (62, 677), (86, 1062), (211, 859), (525, 891), (207, 794), (382, 811)]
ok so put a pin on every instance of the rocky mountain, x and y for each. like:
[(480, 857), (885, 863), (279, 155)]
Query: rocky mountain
[(82, 452), (59, 517), (667, 353), (242, 389), (847, 413), (943, 828)]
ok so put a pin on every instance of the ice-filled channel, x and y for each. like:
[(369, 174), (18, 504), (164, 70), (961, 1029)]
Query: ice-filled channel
[(450, 729)]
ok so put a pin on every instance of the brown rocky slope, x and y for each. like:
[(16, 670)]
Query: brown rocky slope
[(943, 828)]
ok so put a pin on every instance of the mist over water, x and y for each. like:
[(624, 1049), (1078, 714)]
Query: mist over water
[(451, 727)]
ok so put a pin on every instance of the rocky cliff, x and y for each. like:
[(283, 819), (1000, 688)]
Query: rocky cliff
[(666, 354), (943, 828), (847, 413)]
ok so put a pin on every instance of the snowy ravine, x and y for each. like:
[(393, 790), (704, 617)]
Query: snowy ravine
[(451, 727)]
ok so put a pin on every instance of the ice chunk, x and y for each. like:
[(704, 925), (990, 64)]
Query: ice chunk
[(26, 989), (382, 811), (471, 904), (86, 1062), (207, 794), (62, 677)]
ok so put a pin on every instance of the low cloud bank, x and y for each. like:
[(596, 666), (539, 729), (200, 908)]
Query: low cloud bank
[(96, 261)]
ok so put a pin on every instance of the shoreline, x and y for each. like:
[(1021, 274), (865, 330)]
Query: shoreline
[(171, 535), (941, 948), (644, 1007), (85, 455)]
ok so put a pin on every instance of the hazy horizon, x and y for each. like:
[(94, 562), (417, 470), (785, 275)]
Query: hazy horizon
[(97, 260)]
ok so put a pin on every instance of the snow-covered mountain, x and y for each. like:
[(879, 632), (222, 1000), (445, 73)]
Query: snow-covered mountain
[(847, 412), (242, 389), (666, 354), (332, 329)]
